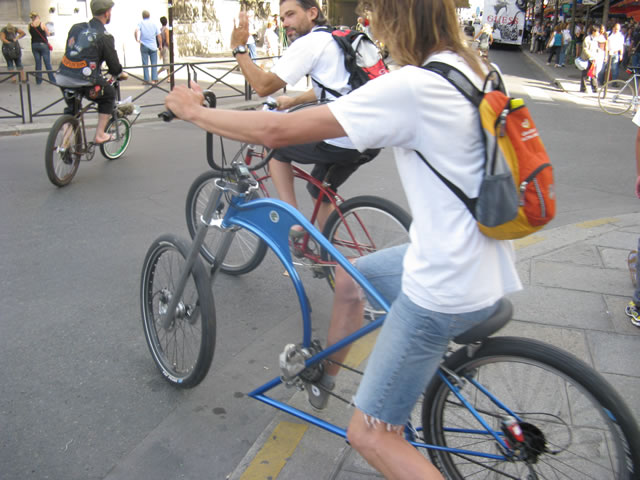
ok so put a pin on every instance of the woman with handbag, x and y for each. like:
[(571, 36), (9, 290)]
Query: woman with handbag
[(590, 52), (40, 47), (11, 50)]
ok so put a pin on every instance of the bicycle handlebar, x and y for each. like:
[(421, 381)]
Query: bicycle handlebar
[(209, 98)]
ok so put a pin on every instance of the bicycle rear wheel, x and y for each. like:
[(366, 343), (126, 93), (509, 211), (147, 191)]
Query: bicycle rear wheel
[(616, 97), (246, 251), (183, 351), (61, 157), (576, 426), (121, 129)]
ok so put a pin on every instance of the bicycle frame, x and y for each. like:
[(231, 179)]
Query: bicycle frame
[(91, 106), (335, 200), (271, 220)]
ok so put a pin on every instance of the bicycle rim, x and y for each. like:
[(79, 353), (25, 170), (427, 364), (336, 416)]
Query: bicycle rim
[(579, 438), (121, 129), (367, 224), (616, 97), (183, 351)]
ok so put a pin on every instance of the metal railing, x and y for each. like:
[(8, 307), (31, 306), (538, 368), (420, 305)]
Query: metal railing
[(25, 109)]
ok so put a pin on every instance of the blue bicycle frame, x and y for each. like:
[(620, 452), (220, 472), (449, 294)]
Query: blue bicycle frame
[(271, 219)]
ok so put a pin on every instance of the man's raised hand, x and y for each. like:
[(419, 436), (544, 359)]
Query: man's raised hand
[(240, 33)]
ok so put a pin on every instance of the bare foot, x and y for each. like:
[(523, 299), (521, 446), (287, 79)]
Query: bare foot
[(103, 138)]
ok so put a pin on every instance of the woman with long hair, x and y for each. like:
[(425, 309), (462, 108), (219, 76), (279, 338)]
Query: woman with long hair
[(450, 277), (40, 48)]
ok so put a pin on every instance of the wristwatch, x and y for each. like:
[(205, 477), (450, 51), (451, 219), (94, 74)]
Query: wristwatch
[(239, 49)]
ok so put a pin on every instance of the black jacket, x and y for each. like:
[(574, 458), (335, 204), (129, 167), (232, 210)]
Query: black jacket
[(88, 46)]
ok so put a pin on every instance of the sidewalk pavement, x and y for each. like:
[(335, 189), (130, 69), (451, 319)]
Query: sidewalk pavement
[(565, 78), (577, 285)]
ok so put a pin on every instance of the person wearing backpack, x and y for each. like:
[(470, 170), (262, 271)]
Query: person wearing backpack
[(11, 50), (451, 276), (312, 51)]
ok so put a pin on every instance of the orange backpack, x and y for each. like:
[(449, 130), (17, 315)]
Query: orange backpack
[(516, 195)]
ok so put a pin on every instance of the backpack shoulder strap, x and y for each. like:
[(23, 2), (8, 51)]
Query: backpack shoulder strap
[(457, 79), (323, 96), (471, 93)]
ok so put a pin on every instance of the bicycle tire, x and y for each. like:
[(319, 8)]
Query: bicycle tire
[(247, 250), (115, 149), (375, 223), (588, 444), (60, 162), (616, 97), (182, 352)]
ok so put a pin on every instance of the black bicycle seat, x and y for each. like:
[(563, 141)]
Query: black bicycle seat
[(494, 323)]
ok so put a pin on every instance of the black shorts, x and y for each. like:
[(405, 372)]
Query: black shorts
[(105, 98), (332, 164)]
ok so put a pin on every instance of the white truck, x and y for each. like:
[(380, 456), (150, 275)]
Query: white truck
[(506, 17)]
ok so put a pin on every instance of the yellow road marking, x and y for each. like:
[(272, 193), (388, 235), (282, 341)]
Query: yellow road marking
[(361, 349), (273, 455), (526, 241), (596, 223)]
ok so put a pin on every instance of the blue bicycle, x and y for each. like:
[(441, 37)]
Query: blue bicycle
[(500, 407)]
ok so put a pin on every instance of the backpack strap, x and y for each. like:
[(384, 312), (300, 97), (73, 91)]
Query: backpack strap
[(469, 202), (323, 95), (474, 95), (471, 93)]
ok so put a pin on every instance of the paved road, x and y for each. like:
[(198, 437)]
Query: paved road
[(81, 398)]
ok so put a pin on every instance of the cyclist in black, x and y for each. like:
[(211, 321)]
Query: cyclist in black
[(88, 46)]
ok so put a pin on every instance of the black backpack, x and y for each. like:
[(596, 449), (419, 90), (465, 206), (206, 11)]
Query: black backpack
[(362, 58)]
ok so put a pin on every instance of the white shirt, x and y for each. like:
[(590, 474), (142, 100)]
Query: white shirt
[(450, 266), (316, 54), (616, 43)]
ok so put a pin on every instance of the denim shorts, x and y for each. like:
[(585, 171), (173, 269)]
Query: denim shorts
[(410, 345)]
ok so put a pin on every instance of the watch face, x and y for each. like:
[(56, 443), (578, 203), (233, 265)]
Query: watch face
[(240, 49)]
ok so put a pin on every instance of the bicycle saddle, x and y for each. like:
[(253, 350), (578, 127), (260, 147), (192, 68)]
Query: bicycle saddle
[(495, 322)]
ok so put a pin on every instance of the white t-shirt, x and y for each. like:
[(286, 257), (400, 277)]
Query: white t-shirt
[(450, 266), (616, 43), (316, 54)]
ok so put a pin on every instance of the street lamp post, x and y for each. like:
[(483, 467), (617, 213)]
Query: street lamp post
[(171, 57)]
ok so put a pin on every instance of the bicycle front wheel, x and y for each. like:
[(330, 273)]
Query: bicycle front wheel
[(616, 97), (575, 424), (61, 157), (246, 251), (364, 225), (183, 350), (120, 128)]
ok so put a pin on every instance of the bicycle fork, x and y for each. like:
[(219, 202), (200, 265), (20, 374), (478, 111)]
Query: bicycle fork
[(206, 221)]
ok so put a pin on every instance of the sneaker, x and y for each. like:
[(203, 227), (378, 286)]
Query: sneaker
[(319, 393), (632, 312), (632, 259)]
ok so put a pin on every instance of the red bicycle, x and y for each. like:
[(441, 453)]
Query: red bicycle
[(356, 227)]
